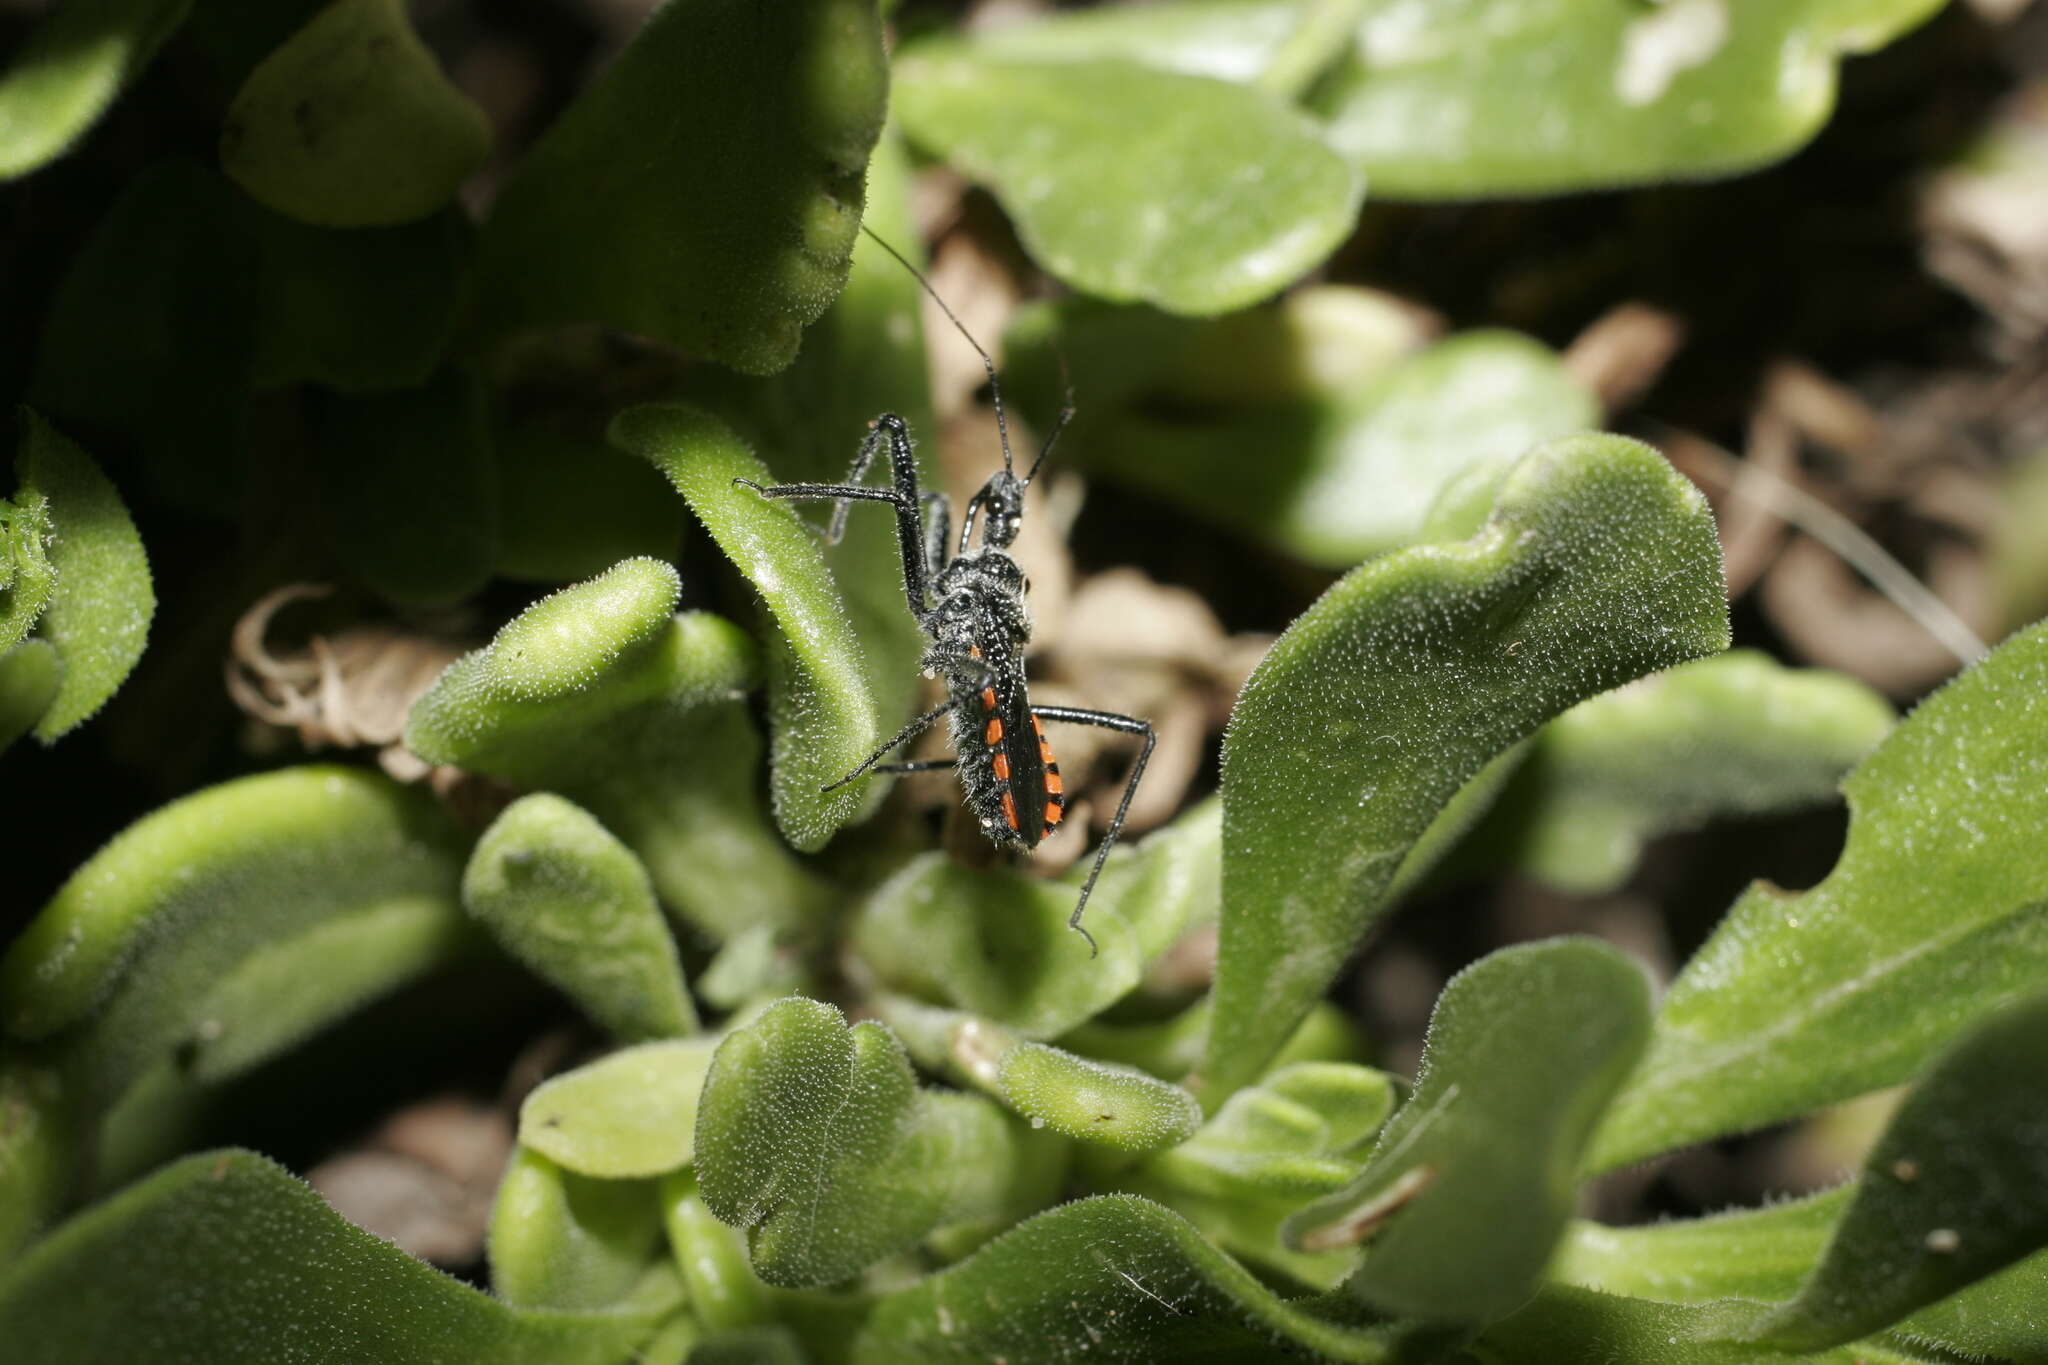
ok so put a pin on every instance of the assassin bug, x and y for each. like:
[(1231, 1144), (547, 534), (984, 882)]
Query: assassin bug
[(971, 607)]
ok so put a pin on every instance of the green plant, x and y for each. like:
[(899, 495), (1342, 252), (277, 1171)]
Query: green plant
[(849, 1097)]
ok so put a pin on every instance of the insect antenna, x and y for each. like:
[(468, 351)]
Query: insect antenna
[(1066, 414), (995, 388)]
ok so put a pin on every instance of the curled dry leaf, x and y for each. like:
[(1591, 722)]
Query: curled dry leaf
[(351, 689)]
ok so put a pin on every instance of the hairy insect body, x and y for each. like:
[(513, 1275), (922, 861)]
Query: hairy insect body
[(1006, 767), (970, 605)]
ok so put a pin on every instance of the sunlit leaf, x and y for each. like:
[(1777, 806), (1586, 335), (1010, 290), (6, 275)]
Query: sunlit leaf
[(25, 566), (350, 123), (1116, 1277), (223, 1257), (561, 894), (119, 967), (1766, 1253), (599, 694), (563, 1240), (1313, 430), (1131, 182), (1935, 917), (1465, 98), (71, 68), (1738, 735), (710, 179), (1956, 1190), (1579, 1324), (101, 597), (816, 1137), (633, 1113), (821, 712), (996, 944), (1097, 1102), (1529, 1041), (1599, 565)]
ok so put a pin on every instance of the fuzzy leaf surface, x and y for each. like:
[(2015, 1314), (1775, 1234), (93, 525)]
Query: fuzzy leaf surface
[(631, 1114), (1736, 735), (1116, 1277), (1355, 434), (1406, 679), (1956, 1190), (1133, 183), (559, 892), (563, 1240), (1456, 99), (1531, 1041), (223, 1256), (1935, 917), (996, 944), (29, 674), (822, 716), (711, 180), (101, 597), (349, 123), (1767, 1253), (816, 1137), (598, 693), (123, 961)]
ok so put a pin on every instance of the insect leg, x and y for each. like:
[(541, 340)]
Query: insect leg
[(1129, 725), (903, 494), (938, 522), (903, 736), (922, 765)]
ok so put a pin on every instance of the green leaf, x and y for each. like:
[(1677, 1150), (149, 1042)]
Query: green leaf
[(1099, 1102), (1766, 1253), (864, 357), (222, 1258), (1599, 564), (1470, 98), (1133, 183), (1296, 1135), (29, 674), (70, 69), (1116, 1277), (359, 310), (996, 943), (101, 599), (292, 987), (26, 578), (631, 1114), (1578, 1324), (597, 693), (1935, 917), (1530, 1041), (565, 897), (563, 1240), (816, 1138), (1736, 735), (37, 1149), (821, 714), (722, 1288), (410, 489), (121, 965), (351, 124), (1355, 438), (710, 181), (1955, 1190)]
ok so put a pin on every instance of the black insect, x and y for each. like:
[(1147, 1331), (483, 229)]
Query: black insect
[(971, 605)]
